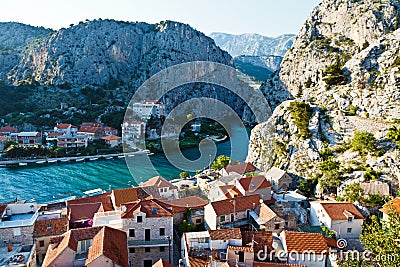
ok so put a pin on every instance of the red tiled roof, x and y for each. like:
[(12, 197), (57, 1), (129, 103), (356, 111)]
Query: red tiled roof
[(107, 241), (112, 243), (51, 227), (55, 134), (301, 242), (230, 191), (151, 207), (338, 210), (198, 262), (111, 137), (181, 204), (8, 129), (240, 168), (3, 139), (89, 129), (105, 199), (241, 248), (162, 263), (125, 195), (86, 211), (238, 204), (2, 208), (262, 239), (225, 234), (159, 182), (255, 182), (393, 204), (108, 128), (65, 126), (93, 124)]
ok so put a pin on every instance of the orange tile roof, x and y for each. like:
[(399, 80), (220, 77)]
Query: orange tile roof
[(338, 210), (225, 234), (8, 129), (394, 204), (230, 191), (106, 241), (181, 204), (2, 208), (255, 182), (147, 206), (111, 137), (105, 199), (162, 263), (3, 139), (301, 242), (266, 213), (108, 128), (86, 211), (55, 134), (51, 227), (198, 262), (238, 204), (112, 243), (273, 264), (65, 126), (261, 238), (240, 168), (89, 129), (241, 248), (125, 195), (159, 181)]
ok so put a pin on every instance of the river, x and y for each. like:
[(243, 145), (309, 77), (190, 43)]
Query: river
[(45, 183)]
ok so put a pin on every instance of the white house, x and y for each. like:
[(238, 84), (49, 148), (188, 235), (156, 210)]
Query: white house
[(341, 217), (66, 128), (132, 131), (161, 186), (148, 108)]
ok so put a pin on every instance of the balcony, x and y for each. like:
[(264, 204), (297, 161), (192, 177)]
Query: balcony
[(151, 243)]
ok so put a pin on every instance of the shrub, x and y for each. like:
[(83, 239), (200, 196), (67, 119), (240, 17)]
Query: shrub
[(364, 142), (333, 74), (301, 114), (352, 110)]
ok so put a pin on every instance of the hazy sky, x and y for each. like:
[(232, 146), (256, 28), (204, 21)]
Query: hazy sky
[(267, 17)]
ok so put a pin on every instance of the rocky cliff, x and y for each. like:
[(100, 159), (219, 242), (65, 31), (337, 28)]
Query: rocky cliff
[(345, 65), (251, 44)]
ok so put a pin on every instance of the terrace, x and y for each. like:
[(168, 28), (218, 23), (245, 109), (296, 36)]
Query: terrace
[(17, 256), (19, 215)]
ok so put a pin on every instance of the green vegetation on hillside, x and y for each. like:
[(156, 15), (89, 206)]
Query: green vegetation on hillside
[(301, 114), (363, 142), (256, 72), (333, 74)]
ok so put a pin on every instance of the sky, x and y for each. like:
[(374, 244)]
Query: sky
[(266, 17)]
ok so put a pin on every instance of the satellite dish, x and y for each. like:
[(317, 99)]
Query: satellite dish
[(123, 208), (261, 200)]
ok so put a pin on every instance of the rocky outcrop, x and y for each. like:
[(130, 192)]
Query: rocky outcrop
[(344, 61), (346, 54), (13, 39), (105, 51), (251, 44)]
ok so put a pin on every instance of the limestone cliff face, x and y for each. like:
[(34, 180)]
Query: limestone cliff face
[(361, 37), (102, 51), (13, 39), (344, 60)]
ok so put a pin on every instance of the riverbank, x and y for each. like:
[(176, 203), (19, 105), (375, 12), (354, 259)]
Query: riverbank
[(45, 161)]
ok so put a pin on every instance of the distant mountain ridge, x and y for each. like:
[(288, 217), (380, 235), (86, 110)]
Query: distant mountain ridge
[(252, 44)]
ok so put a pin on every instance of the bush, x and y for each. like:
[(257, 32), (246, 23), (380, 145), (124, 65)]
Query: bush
[(352, 110), (333, 74), (184, 175), (364, 142), (301, 114)]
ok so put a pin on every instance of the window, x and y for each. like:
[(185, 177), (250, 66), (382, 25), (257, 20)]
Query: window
[(41, 243), (198, 221), (146, 249), (350, 219), (162, 231), (222, 218), (131, 232), (83, 246), (349, 230), (277, 226), (131, 250), (17, 231), (162, 249), (139, 219)]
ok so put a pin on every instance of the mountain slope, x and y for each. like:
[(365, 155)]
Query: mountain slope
[(251, 44), (344, 66)]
